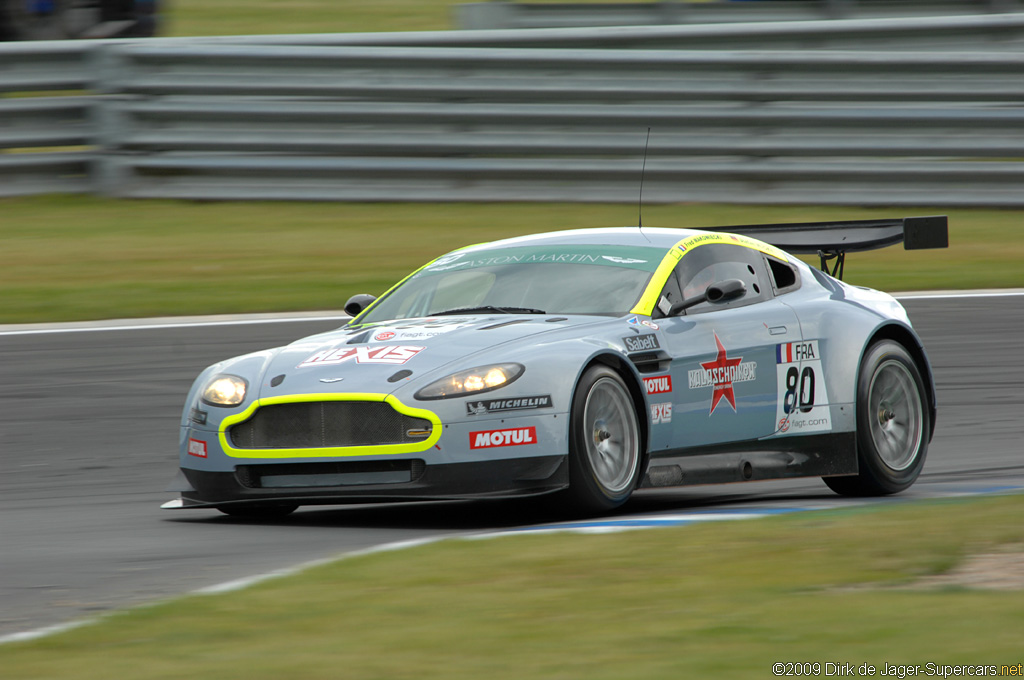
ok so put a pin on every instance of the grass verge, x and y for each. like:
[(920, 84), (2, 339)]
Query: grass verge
[(80, 257), (715, 600), (250, 17)]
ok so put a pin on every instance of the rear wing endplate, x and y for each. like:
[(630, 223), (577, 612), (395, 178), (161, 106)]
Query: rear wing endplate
[(832, 240)]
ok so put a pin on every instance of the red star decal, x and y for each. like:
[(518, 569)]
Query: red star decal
[(722, 376)]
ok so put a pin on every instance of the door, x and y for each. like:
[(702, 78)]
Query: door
[(724, 374)]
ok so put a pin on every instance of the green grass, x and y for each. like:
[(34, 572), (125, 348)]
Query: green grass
[(246, 17), (79, 257), (252, 17), (713, 600)]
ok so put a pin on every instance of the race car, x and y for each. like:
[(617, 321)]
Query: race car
[(584, 364), (77, 19)]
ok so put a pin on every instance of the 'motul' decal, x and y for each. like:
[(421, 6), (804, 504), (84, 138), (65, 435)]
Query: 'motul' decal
[(489, 439), (660, 384)]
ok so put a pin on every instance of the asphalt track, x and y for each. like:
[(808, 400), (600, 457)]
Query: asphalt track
[(88, 436)]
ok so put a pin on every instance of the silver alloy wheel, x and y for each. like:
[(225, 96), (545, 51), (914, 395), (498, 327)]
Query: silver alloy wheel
[(613, 441), (896, 415)]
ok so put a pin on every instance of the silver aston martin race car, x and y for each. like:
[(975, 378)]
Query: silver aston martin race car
[(584, 363)]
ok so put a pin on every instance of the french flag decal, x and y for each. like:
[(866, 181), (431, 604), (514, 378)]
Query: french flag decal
[(784, 353), (792, 352)]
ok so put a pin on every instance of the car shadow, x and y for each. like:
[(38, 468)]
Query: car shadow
[(489, 515)]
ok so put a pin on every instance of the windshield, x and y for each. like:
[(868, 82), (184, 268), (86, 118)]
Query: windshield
[(606, 280)]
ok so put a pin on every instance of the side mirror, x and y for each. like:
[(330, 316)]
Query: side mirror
[(357, 303), (723, 291)]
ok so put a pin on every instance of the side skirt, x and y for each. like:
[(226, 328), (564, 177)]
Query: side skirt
[(782, 458)]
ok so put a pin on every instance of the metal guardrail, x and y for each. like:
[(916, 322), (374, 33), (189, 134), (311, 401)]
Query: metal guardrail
[(539, 75), (204, 119), (36, 123), (524, 15), (45, 66), (454, 130), (25, 174)]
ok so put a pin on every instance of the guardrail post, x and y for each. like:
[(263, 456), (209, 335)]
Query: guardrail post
[(109, 128), (484, 15)]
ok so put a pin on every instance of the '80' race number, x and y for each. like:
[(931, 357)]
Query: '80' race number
[(802, 403)]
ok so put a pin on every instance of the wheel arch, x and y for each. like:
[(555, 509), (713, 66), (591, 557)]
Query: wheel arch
[(909, 340), (629, 375)]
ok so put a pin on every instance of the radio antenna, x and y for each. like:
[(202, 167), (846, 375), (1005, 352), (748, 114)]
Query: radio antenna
[(643, 169)]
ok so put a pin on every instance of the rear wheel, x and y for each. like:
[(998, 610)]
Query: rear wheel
[(892, 424), (604, 442)]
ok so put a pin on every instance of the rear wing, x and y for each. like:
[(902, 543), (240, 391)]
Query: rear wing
[(832, 240)]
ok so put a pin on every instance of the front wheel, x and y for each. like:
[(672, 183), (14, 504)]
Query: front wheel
[(892, 424), (604, 442)]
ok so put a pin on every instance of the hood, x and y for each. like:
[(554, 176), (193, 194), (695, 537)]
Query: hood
[(381, 358)]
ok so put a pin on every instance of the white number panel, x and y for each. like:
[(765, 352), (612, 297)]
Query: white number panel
[(802, 400)]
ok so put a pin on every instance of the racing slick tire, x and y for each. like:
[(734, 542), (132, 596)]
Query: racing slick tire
[(604, 442), (257, 511), (892, 424)]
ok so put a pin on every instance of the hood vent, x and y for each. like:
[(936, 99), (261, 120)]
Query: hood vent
[(503, 324)]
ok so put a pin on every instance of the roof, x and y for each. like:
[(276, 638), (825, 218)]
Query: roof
[(660, 238)]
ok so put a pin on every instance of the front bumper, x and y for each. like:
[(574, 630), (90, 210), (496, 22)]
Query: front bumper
[(355, 482)]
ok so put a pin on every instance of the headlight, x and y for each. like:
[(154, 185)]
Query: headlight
[(472, 381), (225, 390)]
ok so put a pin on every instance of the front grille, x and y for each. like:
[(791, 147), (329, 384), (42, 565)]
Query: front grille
[(323, 424)]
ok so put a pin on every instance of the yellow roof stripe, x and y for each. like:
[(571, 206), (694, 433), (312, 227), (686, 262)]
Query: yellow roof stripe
[(649, 299)]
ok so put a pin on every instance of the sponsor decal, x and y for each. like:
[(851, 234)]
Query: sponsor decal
[(661, 384), (661, 413), (721, 374), (479, 408), (633, 257), (196, 448), (569, 258), (737, 239), (801, 395), (634, 321), (640, 343), (382, 354), (622, 260), (789, 352), (440, 263), (419, 330), (489, 439), (805, 424), (446, 267)]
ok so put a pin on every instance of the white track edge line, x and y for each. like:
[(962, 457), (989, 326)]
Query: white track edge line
[(248, 581), (239, 584)]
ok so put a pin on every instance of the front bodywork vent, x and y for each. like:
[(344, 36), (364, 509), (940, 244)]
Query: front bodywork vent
[(312, 475)]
